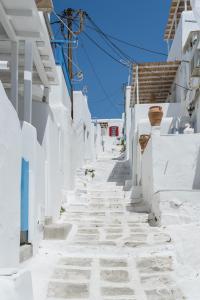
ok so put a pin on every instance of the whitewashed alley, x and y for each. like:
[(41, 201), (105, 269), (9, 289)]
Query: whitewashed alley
[(110, 251)]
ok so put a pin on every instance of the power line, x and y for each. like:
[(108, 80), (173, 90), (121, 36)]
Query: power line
[(101, 32), (108, 39), (105, 98), (63, 23), (114, 45), (98, 79), (102, 49), (130, 43)]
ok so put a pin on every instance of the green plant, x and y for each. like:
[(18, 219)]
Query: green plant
[(62, 210)]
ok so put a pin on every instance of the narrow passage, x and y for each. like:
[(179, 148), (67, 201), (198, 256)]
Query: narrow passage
[(110, 253)]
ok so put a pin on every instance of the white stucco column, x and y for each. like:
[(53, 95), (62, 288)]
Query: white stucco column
[(14, 74), (155, 130), (28, 68)]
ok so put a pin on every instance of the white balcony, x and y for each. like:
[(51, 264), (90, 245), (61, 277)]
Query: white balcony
[(187, 24)]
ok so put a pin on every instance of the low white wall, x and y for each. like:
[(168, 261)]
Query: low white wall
[(82, 124), (128, 121), (51, 145), (34, 154), (48, 136), (55, 134), (140, 125), (176, 207), (15, 285), (170, 162), (10, 179)]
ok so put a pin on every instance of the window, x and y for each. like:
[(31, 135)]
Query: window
[(114, 131)]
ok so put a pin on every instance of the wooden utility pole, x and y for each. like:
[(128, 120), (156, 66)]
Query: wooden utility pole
[(69, 13)]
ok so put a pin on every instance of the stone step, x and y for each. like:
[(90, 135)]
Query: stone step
[(64, 290), (56, 231), (25, 252), (104, 193), (48, 220), (136, 192)]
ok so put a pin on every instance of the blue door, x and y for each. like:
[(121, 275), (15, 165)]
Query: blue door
[(24, 201)]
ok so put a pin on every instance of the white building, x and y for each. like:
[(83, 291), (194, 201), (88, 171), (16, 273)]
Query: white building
[(38, 137), (170, 162), (108, 132)]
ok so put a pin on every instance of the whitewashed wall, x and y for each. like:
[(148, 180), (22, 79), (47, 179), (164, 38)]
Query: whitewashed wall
[(140, 125), (128, 115), (51, 145), (10, 180), (182, 50), (83, 128), (186, 25), (171, 162), (34, 154)]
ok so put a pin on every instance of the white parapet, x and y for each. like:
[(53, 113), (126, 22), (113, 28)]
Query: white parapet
[(15, 285)]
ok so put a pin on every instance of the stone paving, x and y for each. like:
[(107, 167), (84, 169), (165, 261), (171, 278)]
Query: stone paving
[(111, 253)]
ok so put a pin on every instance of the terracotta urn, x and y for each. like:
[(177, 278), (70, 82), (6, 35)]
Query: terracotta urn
[(155, 115), (143, 140)]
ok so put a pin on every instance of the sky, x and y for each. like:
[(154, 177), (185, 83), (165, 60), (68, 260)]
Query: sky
[(140, 22)]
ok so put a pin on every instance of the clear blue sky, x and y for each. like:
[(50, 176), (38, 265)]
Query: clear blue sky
[(141, 22)]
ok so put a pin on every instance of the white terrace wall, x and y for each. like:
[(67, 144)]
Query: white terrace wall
[(171, 162), (140, 125), (97, 139), (53, 124), (128, 115), (84, 132), (10, 179)]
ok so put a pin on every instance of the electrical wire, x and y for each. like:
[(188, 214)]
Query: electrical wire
[(75, 65), (114, 45), (111, 46), (99, 80), (129, 43), (53, 11), (101, 32), (95, 43), (102, 49), (105, 98)]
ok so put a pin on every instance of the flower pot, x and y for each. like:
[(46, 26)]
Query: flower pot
[(143, 140), (155, 115)]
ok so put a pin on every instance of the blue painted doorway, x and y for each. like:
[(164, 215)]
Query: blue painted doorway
[(24, 201)]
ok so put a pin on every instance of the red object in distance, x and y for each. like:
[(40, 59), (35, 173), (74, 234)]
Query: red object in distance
[(113, 131)]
